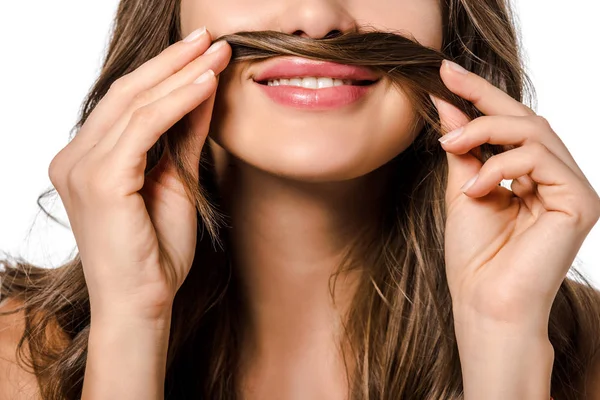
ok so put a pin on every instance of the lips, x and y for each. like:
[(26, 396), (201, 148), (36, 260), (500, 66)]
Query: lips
[(294, 67), (361, 81)]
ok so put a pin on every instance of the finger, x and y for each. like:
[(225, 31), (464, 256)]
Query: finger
[(199, 127), (509, 130), (165, 172), (523, 187), (486, 97), (194, 139), (526, 189), (460, 167), (451, 118), (557, 184), (123, 91), (216, 61), (151, 121)]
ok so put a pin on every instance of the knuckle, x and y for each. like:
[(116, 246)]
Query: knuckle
[(474, 94), (478, 123), (494, 159), (95, 181), (528, 110), (482, 89), (542, 123), (56, 170), (532, 128), (121, 85), (584, 209), (142, 99), (493, 165), (144, 116), (591, 210), (538, 150)]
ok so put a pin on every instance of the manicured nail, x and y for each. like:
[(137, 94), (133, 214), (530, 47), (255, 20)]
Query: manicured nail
[(205, 76), (195, 35), (451, 136), (455, 67), (469, 183), (433, 100), (215, 46)]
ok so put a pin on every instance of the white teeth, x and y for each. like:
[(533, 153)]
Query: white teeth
[(324, 82), (310, 82)]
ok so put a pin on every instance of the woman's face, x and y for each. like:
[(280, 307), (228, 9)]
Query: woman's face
[(327, 134)]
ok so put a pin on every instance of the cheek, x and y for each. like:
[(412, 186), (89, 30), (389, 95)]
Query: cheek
[(421, 19), (187, 16), (312, 146), (222, 17), (197, 13)]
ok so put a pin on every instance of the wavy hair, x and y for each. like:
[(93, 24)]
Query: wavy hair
[(399, 329)]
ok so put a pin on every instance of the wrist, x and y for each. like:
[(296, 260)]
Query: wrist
[(136, 348), (123, 333), (470, 321), (125, 336), (116, 325), (501, 369), (504, 360), (124, 311)]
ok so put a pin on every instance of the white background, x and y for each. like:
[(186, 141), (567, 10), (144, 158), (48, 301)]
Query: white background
[(52, 52)]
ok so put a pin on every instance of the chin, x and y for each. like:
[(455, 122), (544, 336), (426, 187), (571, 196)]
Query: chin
[(311, 145)]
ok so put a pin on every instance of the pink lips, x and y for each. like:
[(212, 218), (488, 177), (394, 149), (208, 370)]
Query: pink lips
[(325, 98)]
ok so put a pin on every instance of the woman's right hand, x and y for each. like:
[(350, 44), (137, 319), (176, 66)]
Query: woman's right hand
[(136, 233)]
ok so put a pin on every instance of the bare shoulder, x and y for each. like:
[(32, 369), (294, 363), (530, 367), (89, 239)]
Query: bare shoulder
[(15, 382)]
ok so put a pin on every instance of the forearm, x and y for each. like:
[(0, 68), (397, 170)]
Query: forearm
[(500, 362), (126, 359)]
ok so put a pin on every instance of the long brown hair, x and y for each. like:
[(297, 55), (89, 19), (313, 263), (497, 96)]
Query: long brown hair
[(400, 327)]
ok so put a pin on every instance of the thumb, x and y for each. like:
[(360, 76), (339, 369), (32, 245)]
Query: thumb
[(461, 167), (199, 120), (190, 150)]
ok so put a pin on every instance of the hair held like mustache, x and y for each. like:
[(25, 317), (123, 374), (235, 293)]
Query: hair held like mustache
[(405, 62)]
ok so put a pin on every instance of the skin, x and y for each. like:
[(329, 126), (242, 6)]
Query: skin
[(506, 253), (294, 171)]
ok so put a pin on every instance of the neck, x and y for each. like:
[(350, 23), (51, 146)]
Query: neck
[(288, 238)]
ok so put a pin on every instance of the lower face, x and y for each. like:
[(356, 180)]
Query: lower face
[(312, 134)]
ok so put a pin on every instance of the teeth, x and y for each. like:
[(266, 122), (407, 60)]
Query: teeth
[(324, 82), (310, 82)]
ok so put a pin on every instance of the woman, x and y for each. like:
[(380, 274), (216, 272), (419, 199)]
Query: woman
[(354, 259)]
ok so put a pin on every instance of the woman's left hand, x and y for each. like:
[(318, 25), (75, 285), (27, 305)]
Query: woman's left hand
[(507, 252)]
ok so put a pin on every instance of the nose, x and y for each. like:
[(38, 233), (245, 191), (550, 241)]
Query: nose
[(316, 18)]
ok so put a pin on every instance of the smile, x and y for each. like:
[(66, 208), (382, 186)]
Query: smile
[(316, 82), (315, 85)]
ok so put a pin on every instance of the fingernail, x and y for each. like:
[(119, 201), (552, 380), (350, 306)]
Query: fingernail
[(451, 136), (469, 183), (440, 104), (205, 76), (455, 67), (215, 46), (195, 35), (433, 100)]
